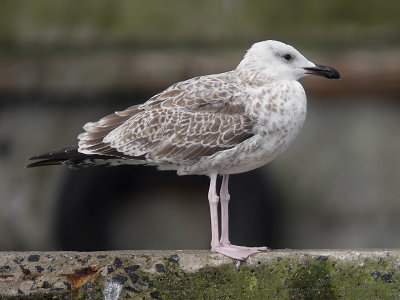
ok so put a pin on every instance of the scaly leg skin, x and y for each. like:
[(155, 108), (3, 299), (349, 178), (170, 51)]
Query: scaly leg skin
[(224, 246)]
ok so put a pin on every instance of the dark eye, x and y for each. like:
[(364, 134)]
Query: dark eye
[(287, 57)]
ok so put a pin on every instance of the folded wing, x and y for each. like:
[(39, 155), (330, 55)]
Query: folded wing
[(189, 120)]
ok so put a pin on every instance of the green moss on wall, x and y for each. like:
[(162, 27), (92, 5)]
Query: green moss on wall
[(312, 278)]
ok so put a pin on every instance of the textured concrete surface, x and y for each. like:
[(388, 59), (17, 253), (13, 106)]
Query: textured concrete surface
[(177, 274)]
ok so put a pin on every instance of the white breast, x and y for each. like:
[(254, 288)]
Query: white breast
[(280, 118)]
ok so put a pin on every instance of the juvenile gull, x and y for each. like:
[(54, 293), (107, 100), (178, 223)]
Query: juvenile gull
[(225, 123)]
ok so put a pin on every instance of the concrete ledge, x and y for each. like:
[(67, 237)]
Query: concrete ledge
[(279, 274)]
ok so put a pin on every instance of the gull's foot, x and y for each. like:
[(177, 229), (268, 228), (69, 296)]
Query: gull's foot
[(237, 252), (259, 249)]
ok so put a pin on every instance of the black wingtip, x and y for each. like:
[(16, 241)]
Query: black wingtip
[(46, 162), (54, 157), (40, 156), (66, 152)]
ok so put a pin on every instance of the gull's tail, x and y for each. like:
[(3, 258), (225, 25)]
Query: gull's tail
[(71, 157)]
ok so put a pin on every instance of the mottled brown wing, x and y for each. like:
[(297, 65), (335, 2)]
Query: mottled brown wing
[(193, 118), (178, 136)]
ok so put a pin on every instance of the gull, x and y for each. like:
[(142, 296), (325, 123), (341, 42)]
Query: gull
[(219, 124)]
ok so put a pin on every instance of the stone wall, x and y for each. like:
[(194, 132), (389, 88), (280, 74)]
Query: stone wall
[(280, 274)]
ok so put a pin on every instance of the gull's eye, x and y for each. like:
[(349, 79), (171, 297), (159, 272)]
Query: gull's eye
[(287, 57)]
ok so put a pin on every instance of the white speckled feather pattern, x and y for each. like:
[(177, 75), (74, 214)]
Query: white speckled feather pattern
[(204, 124)]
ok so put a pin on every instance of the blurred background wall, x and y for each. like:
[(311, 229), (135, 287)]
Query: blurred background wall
[(63, 63)]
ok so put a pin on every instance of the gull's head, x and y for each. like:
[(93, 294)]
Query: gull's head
[(282, 61)]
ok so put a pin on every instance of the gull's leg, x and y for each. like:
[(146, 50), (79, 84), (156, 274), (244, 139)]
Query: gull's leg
[(225, 247), (213, 202), (225, 197)]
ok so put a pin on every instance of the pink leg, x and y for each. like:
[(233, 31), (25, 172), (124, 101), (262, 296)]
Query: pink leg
[(225, 197), (225, 247), (213, 202)]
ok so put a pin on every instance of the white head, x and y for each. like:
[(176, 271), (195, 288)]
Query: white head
[(282, 61)]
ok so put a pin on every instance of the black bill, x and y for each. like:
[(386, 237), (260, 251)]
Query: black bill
[(323, 71)]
